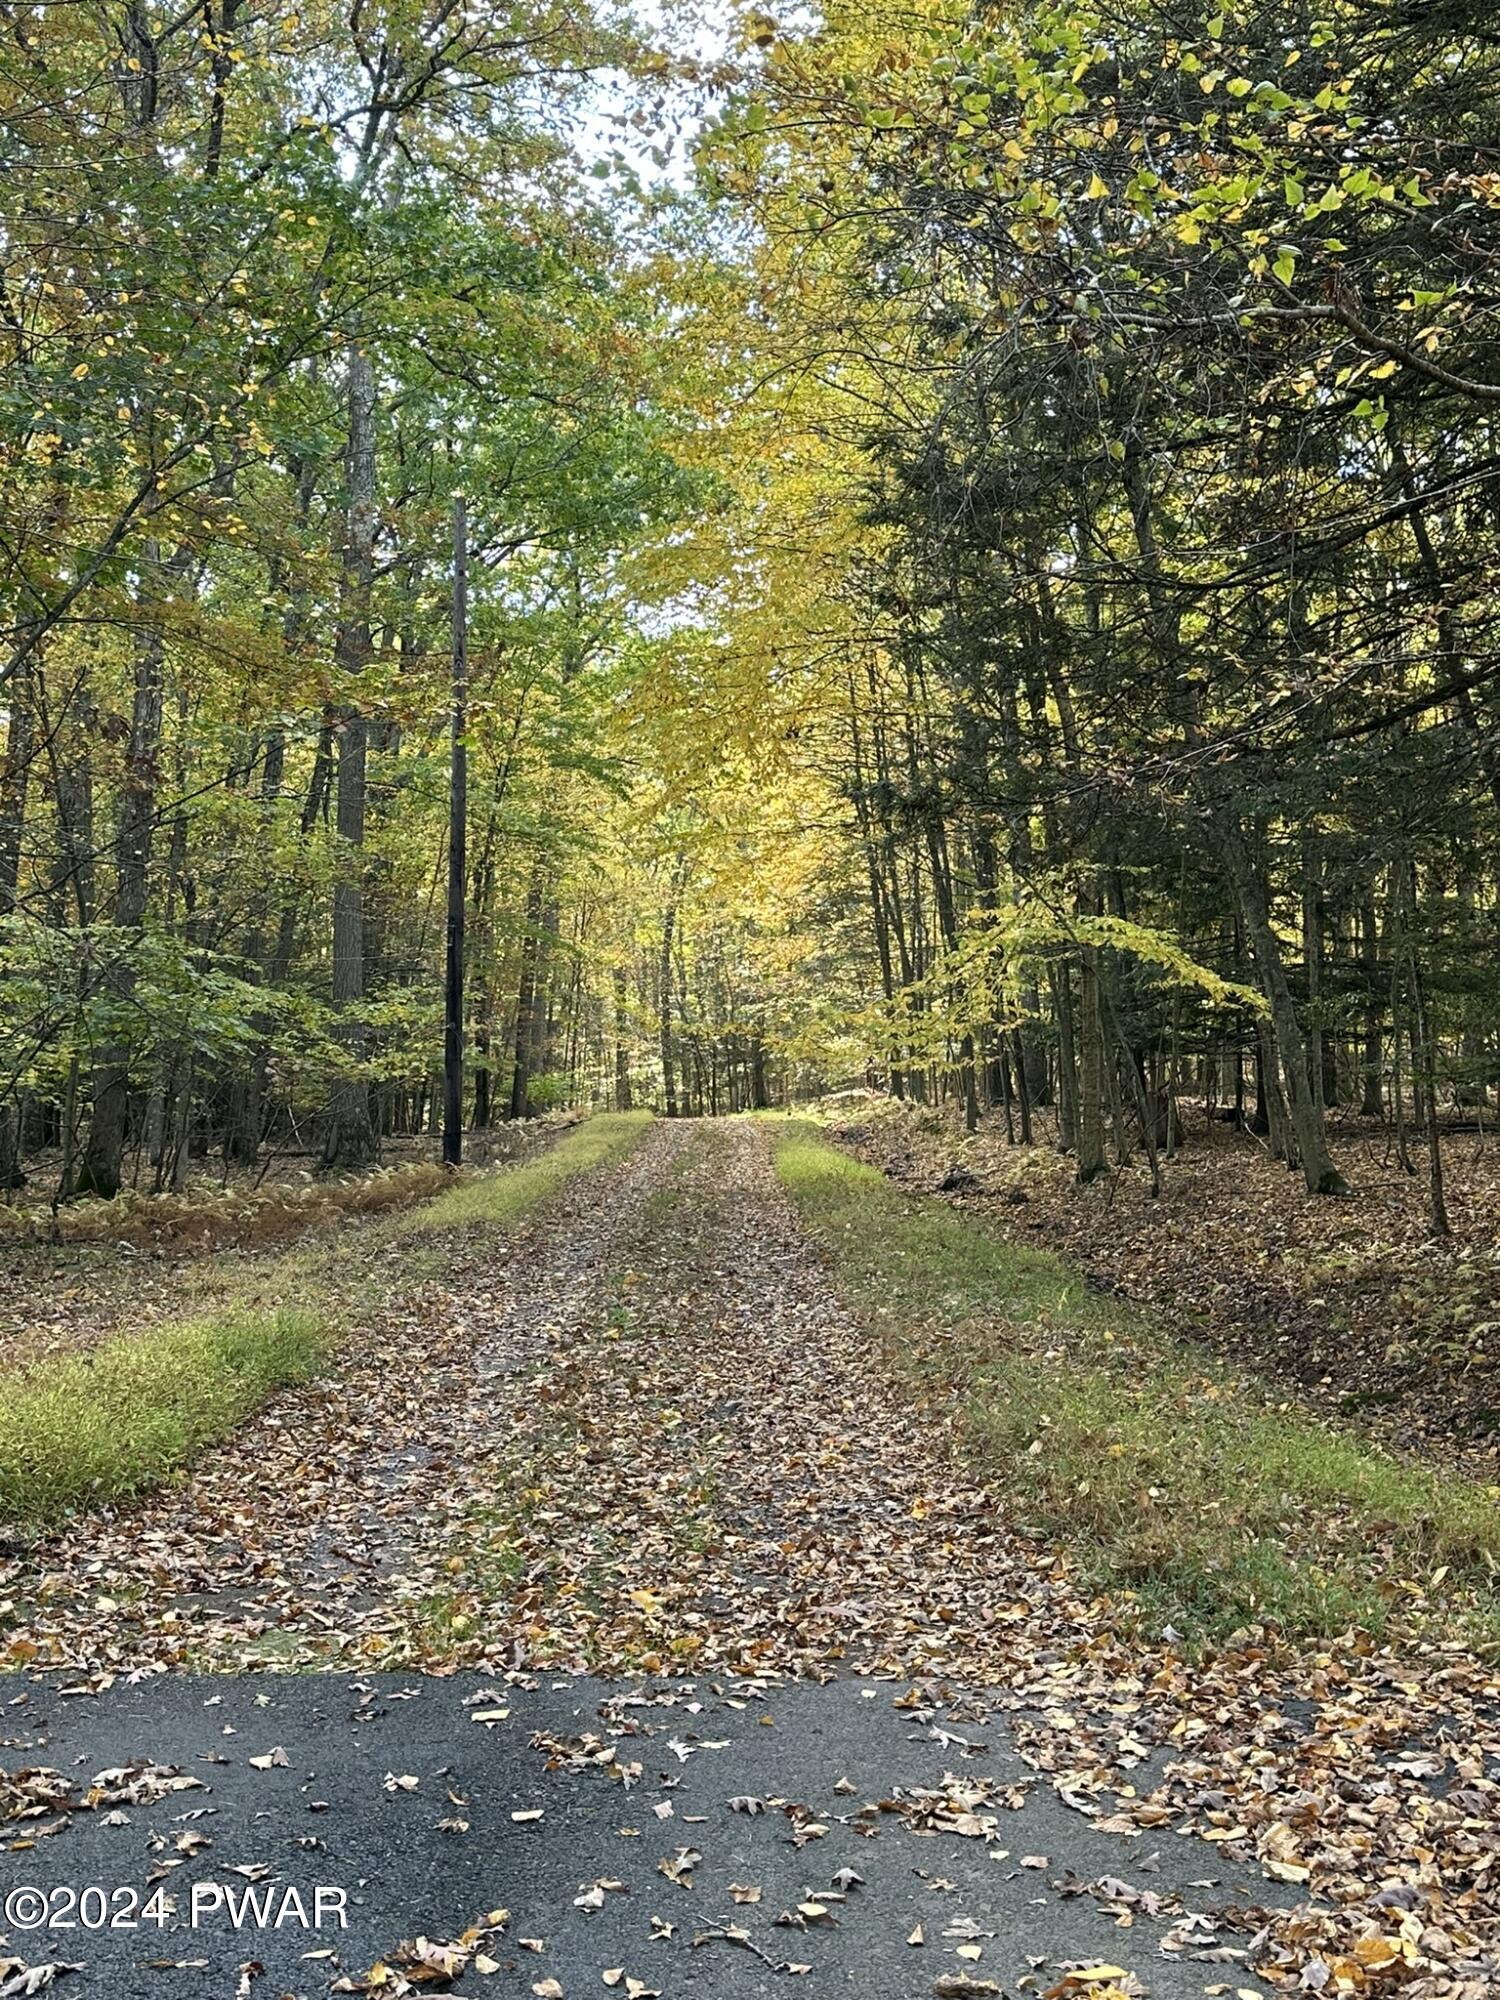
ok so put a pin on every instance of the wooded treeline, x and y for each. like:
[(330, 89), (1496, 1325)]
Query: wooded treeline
[(278, 283), (989, 582), (1158, 353)]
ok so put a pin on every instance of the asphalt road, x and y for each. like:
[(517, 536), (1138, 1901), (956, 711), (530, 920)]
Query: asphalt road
[(335, 1808)]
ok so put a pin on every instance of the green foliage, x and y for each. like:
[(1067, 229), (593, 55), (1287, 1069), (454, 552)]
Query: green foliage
[(1141, 373), (979, 983), (212, 235)]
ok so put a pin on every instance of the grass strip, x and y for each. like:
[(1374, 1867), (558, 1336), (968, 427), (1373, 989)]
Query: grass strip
[(83, 1428), (502, 1197), (79, 1430), (1192, 1489)]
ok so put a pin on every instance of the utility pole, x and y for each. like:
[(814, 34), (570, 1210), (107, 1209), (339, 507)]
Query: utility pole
[(458, 818)]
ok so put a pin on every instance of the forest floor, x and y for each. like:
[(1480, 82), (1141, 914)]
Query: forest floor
[(674, 1624), (1351, 1302), (126, 1265)]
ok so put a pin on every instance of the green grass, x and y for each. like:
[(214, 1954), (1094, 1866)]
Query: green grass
[(78, 1430), (1190, 1488), (84, 1428), (497, 1199)]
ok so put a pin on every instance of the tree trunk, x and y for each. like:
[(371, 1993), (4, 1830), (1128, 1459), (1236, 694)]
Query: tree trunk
[(1424, 1061), (99, 1173), (14, 781), (622, 1044), (760, 1089), (1088, 1136), (531, 952), (1371, 1102), (664, 982), (458, 821), (1304, 1112), (1312, 961), (350, 1143)]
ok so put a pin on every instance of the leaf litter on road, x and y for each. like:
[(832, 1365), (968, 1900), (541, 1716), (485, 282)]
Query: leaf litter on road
[(659, 1444)]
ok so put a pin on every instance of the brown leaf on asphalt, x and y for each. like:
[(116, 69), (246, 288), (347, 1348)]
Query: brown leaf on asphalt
[(422, 1964), (591, 1896), (138, 1785), (31, 1794), (1095, 1982), (587, 1753), (18, 1979), (679, 1867)]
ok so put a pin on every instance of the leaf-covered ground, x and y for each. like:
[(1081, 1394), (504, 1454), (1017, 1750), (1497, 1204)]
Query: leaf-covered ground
[(1352, 1302), (643, 1438), (132, 1263)]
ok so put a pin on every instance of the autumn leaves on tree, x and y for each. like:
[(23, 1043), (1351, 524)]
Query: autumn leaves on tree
[(981, 574), (1156, 362), (278, 285)]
